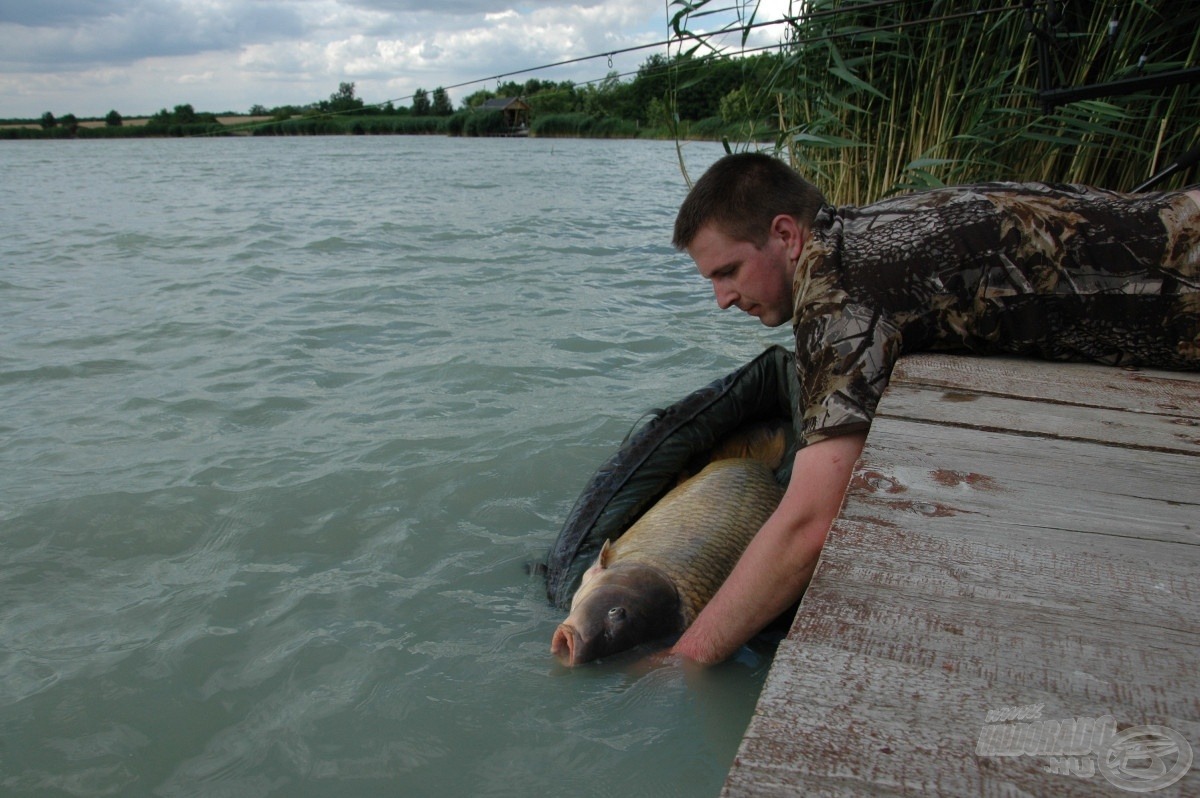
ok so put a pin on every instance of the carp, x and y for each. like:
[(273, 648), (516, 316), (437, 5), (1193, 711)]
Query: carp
[(654, 579)]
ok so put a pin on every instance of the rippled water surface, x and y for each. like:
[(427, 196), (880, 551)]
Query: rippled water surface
[(282, 424)]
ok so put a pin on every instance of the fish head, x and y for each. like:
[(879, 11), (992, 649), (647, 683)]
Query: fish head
[(619, 608)]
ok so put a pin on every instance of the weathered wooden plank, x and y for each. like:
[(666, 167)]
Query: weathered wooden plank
[(1136, 390), (1097, 664), (847, 751), (1118, 527), (1046, 554), (1112, 528), (986, 581), (915, 473), (840, 724), (838, 718), (1149, 431)]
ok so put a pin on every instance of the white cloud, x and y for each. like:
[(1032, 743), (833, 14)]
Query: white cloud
[(447, 50), (202, 78), (80, 56)]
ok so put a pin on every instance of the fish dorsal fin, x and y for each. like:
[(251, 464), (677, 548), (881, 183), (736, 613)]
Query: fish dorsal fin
[(765, 441), (597, 566), (605, 555), (600, 563)]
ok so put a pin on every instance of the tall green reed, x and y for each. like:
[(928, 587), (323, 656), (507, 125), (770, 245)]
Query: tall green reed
[(874, 98)]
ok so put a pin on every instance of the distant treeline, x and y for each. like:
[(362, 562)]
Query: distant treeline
[(682, 96), (492, 123)]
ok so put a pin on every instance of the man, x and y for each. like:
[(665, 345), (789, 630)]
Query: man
[(1060, 272)]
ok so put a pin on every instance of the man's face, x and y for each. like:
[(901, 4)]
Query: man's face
[(758, 280)]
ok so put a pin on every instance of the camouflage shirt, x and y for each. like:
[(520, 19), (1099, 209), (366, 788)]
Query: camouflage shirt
[(1052, 271)]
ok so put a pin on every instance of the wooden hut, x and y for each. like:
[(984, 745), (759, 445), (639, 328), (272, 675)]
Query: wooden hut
[(516, 113)]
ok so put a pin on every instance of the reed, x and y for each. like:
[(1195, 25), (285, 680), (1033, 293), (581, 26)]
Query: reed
[(875, 98), (583, 125)]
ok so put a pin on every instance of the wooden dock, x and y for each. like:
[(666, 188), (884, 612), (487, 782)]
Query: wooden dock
[(1020, 543)]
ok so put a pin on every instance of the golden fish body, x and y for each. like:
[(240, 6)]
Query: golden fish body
[(655, 579), (697, 532)]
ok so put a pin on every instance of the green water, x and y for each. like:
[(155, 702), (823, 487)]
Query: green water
[(282, 424)]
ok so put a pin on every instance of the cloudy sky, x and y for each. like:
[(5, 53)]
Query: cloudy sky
[(88, 57)]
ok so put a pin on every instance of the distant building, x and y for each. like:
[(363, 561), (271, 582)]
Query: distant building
[(515, 110)]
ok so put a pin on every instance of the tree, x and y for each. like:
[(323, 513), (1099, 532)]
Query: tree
[(478, 98), (48, 121), (177, 122), (562, 98), (658, 114), (603, 99), (343, 99), (421, 105), (113, 119), (441, 103), (735, 106)]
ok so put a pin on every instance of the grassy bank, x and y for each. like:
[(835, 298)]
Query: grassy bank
[(464, 123)]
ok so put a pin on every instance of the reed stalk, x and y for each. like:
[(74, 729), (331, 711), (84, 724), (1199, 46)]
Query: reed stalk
[(876, 98)]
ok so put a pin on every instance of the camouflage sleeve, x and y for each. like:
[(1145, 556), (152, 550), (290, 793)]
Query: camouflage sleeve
[(844, 356)]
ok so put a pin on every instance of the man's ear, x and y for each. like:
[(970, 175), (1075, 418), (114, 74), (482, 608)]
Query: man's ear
[(790, 233)]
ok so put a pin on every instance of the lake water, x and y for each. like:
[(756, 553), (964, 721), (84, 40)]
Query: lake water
[(282, 424)]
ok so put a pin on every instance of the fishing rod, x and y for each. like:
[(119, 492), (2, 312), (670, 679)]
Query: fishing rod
[(1185, 161)]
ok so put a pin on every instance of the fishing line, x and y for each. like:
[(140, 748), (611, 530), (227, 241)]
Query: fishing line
[(732, 30), (700, 39)]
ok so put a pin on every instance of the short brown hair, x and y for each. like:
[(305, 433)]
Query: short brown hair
[(742, 194)]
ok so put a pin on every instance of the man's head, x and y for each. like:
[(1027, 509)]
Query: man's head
[(744, 223), (741, 194)]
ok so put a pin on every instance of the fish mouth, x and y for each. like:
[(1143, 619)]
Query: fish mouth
[(564, 643)]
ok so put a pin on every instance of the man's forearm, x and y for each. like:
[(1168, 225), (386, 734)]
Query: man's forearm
[(770, 576), (779, 562)]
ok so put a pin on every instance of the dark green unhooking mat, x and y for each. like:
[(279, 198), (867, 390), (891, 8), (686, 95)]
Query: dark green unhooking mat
[(648, 464)]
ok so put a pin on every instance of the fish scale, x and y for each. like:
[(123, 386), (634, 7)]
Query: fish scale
[(696, 533)]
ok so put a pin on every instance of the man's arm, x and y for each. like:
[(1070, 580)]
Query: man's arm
[(777, 565)]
